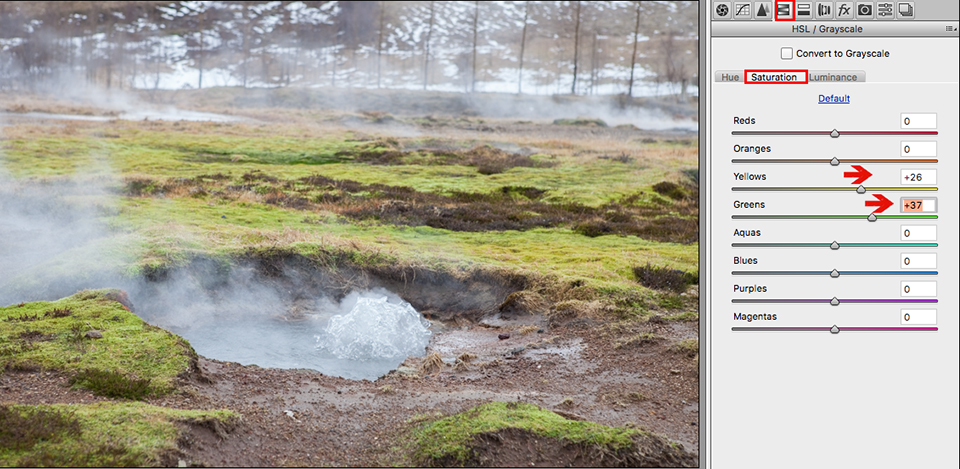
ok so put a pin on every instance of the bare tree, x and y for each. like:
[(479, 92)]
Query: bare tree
[(473, 67), (523, 45), (633, 57), (160, 56), (336, 54), (111, 48), (576, 50), (383, 7), (426, 46), (594, 63), (124, 45), (247, 39), (673, 69), (203, 15)]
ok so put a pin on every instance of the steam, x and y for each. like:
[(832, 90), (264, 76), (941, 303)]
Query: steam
[(56, 239), (662, 117), (53, 238), (285, 322), (81, 100), (644, 113)]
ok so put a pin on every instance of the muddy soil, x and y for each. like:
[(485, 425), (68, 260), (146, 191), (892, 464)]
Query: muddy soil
[(301, 417), (583, 369)]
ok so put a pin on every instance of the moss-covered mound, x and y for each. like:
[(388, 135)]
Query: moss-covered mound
[(94, 336), (96, 435), (519, 434)]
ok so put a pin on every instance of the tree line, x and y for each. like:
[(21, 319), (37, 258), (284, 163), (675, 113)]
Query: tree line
[(553, 47)]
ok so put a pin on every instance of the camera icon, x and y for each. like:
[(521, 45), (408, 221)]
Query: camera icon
[(864, 10)]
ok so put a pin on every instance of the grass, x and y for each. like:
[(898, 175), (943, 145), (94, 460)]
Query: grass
[(685, 316), (568, 210), (643, 338), (132, 360), (171, 229), (163, 149), (113, 384), (509, 208), (103, 434), (664, 278), (688, 347), (20, 432), (588, 121), (524, 330), (485, 158), (448, 440), (160, 152), (431, 363)]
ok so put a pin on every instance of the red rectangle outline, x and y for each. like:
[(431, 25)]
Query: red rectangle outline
[(793, 10), (806, 77)]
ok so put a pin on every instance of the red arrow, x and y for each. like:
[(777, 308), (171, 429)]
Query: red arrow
[(882, 203), (861, 174)]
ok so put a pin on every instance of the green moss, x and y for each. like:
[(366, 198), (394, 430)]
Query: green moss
[(686, 316), (206, 151), (664, 278), (113, 384), (449, 438), (103, 434), (671, 302), (175, 228), (670, 189), (688, 347), (129, 347), (581, 121), (170, 152), (638, 340), (160, 230)]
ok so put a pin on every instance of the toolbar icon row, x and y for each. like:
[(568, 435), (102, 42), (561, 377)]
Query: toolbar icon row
[(792, 10)]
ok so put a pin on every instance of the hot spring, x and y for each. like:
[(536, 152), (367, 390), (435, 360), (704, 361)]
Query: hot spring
[(363, 336), (265, 311)]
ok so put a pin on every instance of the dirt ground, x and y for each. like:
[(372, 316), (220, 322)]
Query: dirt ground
[(302, 417)]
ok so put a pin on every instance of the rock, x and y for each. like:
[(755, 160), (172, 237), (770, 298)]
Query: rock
[(503, 336), (291, 414), (121, 297), (407, 370), (93, 335)]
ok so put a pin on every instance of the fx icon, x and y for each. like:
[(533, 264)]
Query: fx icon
[(844, 10)]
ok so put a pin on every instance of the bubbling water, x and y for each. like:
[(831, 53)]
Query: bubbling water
[(375, 329), (363, 336)]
